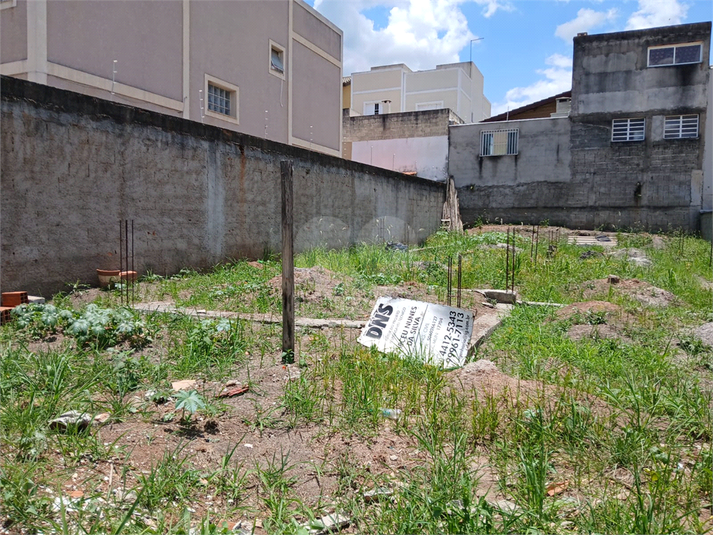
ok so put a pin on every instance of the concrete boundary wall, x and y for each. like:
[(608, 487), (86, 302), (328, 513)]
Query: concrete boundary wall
[(74, 165)]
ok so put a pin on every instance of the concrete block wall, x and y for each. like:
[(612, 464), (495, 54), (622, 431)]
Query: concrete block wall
[(403, 125), (73, 166)]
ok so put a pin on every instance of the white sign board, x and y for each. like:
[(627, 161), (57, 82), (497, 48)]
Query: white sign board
[(437, 334)]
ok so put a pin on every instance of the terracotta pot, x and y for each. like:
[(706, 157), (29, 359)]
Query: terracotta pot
[(130, 276), (107, 277)]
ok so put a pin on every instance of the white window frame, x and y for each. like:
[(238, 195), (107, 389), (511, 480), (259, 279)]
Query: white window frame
[(234, 92), (6, 4), (500, 142), (674, 47), (681, 126), (434, 105), (628, 129), (281, 50), (373, 103)]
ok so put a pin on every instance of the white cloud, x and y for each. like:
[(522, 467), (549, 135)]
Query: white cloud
[(419, 33), (654, 13), (586, 20), (556, 78)]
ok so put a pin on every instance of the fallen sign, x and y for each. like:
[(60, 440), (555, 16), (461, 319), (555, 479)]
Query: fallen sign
[(437, 334)]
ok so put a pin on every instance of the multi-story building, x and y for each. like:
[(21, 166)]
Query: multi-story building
[(269, 69), (396, 88), (632, 151)]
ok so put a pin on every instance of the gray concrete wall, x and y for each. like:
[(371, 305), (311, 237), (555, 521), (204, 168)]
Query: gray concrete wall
[(654, 183), (528, 187), (402, 125), (569, 171), (73, 166)]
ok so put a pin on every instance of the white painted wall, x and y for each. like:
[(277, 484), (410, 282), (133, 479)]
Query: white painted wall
[(426, 156)]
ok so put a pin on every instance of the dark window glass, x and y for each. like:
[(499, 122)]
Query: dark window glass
[(688, 54), (661, 56)]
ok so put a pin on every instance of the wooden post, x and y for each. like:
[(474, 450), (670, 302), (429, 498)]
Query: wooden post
[(288, 267)]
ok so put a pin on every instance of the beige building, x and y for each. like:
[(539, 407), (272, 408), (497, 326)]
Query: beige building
[(396, 88), (271, 69)]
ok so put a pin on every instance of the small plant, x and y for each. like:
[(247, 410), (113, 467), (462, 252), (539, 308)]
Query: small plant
[(189, 401)]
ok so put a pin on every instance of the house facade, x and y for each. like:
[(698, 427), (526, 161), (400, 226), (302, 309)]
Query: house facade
[(268, 69), (630, 153), (396, 88)]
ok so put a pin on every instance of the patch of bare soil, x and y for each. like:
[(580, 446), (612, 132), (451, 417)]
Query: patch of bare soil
[(641, 291), (596, 320), (484, 380), (592, 307), (596, 332), (311, 284)]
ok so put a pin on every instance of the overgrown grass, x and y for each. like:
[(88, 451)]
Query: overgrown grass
[(606, 435)]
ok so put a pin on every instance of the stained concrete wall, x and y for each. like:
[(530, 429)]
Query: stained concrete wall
[(570, 172), (654, 183), (528, 187), (73, 166)]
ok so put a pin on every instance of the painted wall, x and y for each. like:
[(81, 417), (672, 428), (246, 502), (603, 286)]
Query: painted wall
[(73, 166), (457, 86), (165, 52), (13, 29), (425, 156)]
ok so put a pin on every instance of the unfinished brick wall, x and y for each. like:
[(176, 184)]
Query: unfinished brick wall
[(73, 166)]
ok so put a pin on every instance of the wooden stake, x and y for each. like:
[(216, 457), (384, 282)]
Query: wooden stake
[(288, 267)]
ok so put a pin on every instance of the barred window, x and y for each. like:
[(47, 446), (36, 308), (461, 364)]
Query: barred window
[(680, 126), (628, 129), (499, 142)]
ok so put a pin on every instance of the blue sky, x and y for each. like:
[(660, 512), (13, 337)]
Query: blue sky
[(526, 51)]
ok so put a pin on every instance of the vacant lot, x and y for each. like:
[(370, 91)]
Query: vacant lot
[(592, 417)]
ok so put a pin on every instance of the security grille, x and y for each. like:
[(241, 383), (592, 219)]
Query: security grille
[(681, 126), (499, 142), (218, 99), (628, 129)]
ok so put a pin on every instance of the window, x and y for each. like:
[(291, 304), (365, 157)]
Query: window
[(680, 126), (4, 4), (499, 142), (372, 108), (221, 100), (628, 129), (277, 60), (661, 56), (218, 99)]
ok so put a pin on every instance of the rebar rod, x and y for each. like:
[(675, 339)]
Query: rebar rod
[(460, 265)]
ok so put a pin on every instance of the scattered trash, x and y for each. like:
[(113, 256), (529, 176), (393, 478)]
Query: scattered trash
[(436, 334), (75, 494), (613, 279), (186, 384), (391, 414), (81, 420), (590, 254), (248, 446), (554, 489), (505, 506), (124, 496), (603, 238), (377, 494), (328, 524), (393, 457), (101, 419), (235, 391), (396, 246)]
